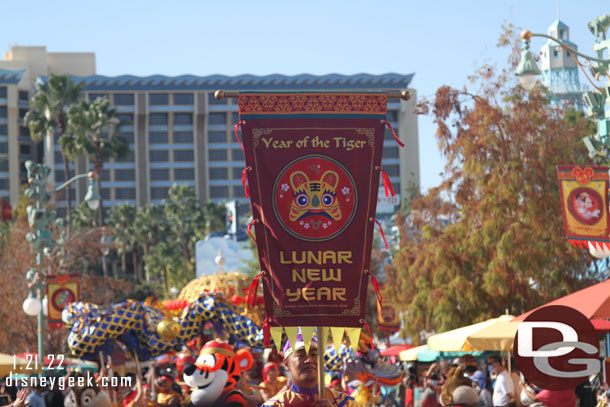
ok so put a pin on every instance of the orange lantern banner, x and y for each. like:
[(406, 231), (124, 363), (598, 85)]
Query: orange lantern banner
[(584, 201), (62, 289), (388, 315)]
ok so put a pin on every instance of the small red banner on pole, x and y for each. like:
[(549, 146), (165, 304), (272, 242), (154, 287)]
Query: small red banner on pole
[(62, 289), (315, 168)]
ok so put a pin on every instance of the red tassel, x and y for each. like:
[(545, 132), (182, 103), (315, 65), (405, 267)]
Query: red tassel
[(244, 180), (253, 290), (376, 285), (391, 129), (237, 137), (249, 229), (266, 333), (369, 331), (387, 185), (382, 235)]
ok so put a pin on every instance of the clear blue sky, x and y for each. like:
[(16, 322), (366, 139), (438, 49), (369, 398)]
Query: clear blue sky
[(441, 41)]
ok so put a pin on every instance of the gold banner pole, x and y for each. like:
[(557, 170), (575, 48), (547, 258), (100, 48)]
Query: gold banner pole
[(321, 349), (233, 94)]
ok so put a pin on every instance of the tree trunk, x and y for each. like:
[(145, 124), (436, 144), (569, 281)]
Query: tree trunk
[(68, 197), (165, 280), (97, 165), (123, 259), (134, 256), (146, 268)]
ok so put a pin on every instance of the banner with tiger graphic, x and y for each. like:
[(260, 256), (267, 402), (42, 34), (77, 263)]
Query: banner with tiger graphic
[(313, 163), (584, 198)]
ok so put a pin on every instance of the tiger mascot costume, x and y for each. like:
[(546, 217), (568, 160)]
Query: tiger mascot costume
[(215, 375)]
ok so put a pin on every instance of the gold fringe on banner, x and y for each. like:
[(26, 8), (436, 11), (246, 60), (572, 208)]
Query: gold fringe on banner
[(276, 334), (291, 332), (354, 336), (337, 334), (307, 332)]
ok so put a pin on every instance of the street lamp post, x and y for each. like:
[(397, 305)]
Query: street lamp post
[(528, 71), (40, 218)]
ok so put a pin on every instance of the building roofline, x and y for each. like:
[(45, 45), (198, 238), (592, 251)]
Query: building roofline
[(246, 82)]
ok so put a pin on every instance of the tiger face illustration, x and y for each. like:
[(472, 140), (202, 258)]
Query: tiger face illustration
[(314, 197)]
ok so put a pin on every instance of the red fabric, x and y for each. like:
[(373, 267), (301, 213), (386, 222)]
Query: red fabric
[(313, 185), (601, 325), (409, 397), (593, 302), (557, 398), (395, 350)]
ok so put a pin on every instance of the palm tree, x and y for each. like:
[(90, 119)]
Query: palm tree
[(96, 126), (121, 219), (49, 115), (149, 228)]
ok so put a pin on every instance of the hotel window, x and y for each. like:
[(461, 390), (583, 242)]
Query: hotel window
[(238, 192), (60, 176), (125, 193), (59, 159), (25, 149), (159, 174), (4, 184), (217, 155), (184, 155), (93, 96), (183, 118), (234, 118), (128, 158), (125, 118), (24, 95), (3, 148), (22, 113), (3, 129), (218, 173), (217, 137), (219, 192), (123, 99), (237, 154), (3, 111), (105, 175), (183, 137), (125, 175), (390, 152), (128, 137), (392, 170), (182, 174), (157, 119), (105, 194), (4, 165), (388, 136), (3, 92), (158, 99), (183, 98), (24, 131), (217, 118), (157, 156), (159, 193), (158, 137), (213, 101), (237, 172), (392, 116)]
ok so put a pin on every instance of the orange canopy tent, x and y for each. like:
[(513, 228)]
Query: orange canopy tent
[(593, 302)]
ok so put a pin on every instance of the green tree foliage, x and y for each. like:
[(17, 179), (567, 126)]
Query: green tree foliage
[(490, 238), (48, 114), (121, 222)]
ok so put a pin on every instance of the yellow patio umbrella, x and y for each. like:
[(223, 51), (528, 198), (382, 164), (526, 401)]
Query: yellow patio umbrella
[(411, 354), (12, 364), (493, 334)]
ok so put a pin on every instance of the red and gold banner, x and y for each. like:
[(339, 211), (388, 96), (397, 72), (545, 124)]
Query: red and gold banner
[(62, 289), (584, 200), (313, 167), (387, 316)]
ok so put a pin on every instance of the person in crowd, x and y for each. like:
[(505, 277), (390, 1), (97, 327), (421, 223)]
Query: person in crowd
[(469, 360), (480, 384), (272, 381), (20, 398), (5, 397), (336, 385), (432, 390), (167, 396), (504, 389), (36, 399), (551, 398), (303, 390), (251, 393)]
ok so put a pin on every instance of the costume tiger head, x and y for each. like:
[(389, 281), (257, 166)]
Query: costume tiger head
[(314, 197), (215, 374)]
